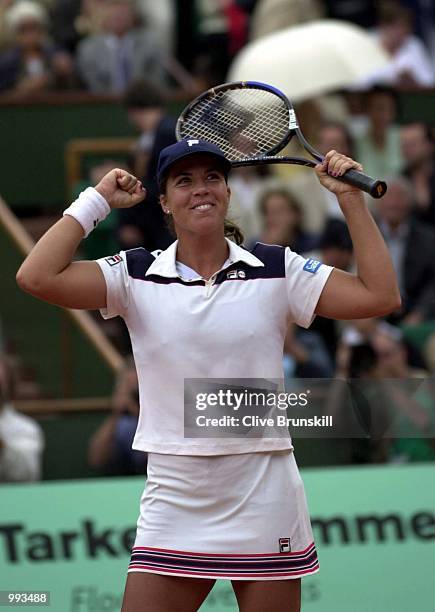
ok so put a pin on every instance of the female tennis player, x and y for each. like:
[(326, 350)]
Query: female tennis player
[(214, 507)]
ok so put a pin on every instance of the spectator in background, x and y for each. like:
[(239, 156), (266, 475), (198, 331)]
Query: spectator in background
[(411, 247), (410, 64), (424, 23), (71, 20), (160, 17), (412, 404), (246, 184), (21, 438), (123, 52), (418, 153), (362, 12), (221, 31), (32, 64), (65, 23), (272, 15), (144, 225), (311, 353), (392, 355), (282, 221), (334, 135), (377, 143), (110, 448), (360, 407), (319, 203), (334, 249), (4, 32)]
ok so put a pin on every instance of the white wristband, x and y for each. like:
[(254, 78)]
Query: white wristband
[(89, 209)]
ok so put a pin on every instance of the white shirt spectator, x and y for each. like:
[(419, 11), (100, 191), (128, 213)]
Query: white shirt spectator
[(21, 446), (411, 58)]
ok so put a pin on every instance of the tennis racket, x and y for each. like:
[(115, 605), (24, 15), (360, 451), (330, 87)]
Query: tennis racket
[(251, 122)]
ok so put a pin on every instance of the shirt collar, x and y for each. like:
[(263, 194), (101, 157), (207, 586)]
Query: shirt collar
[(164, 264)]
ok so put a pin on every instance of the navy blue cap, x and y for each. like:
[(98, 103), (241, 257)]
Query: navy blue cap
[(184, 148)]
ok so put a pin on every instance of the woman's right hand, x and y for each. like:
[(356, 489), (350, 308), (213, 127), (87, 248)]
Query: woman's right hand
[(121, 189)]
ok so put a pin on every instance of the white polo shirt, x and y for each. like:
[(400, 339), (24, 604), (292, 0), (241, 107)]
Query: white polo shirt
[(232, 326)]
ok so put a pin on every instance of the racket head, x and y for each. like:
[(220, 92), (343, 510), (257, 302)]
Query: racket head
[(245, 119)]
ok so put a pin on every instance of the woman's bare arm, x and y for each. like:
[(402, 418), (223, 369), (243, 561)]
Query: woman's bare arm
[(49, 273), (373, 291)]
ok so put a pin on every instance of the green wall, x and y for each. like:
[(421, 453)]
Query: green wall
[(63, 359), (32, 147)]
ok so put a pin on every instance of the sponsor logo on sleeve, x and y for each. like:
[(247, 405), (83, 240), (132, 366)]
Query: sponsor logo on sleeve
[(312, 265), (113, 260)]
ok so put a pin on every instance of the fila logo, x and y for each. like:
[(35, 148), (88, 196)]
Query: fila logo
[(192, 142), (284, 545), (113, 260), (236, 274)]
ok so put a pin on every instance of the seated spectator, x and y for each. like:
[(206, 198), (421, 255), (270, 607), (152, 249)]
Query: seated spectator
[(269, 16), (32, 64), (334, 249), (335, 245), (110, 449), (313, 351), (369, 406), (377, 144), (109, 61), (418, 153), (410, 64), (363, 12), (71, 20), (411, 247), (282, 220), (320, 203), (361, 331), (221, 30), (4, 32), (392, 354), (21, 438), (246, 184), (305, 355), (413, 414), (144, 224), (160, 17), (124, 52)]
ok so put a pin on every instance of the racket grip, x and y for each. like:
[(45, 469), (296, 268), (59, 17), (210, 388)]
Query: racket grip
[(375, 187)]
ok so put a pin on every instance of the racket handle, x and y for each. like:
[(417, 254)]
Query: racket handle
[(375, 187)]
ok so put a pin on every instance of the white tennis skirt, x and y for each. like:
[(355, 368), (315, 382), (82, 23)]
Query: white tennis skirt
[(240, 517)]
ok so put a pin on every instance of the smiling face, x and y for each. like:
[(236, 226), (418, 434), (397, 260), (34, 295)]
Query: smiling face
[(197, 196)]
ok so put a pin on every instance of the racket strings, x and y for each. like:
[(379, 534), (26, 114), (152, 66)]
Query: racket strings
[(243, 122)]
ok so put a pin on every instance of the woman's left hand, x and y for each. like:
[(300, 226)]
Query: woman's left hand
[(335, 165)]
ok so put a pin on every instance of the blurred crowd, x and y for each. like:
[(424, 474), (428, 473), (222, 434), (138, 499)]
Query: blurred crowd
[(103, 46), (142, 50)]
